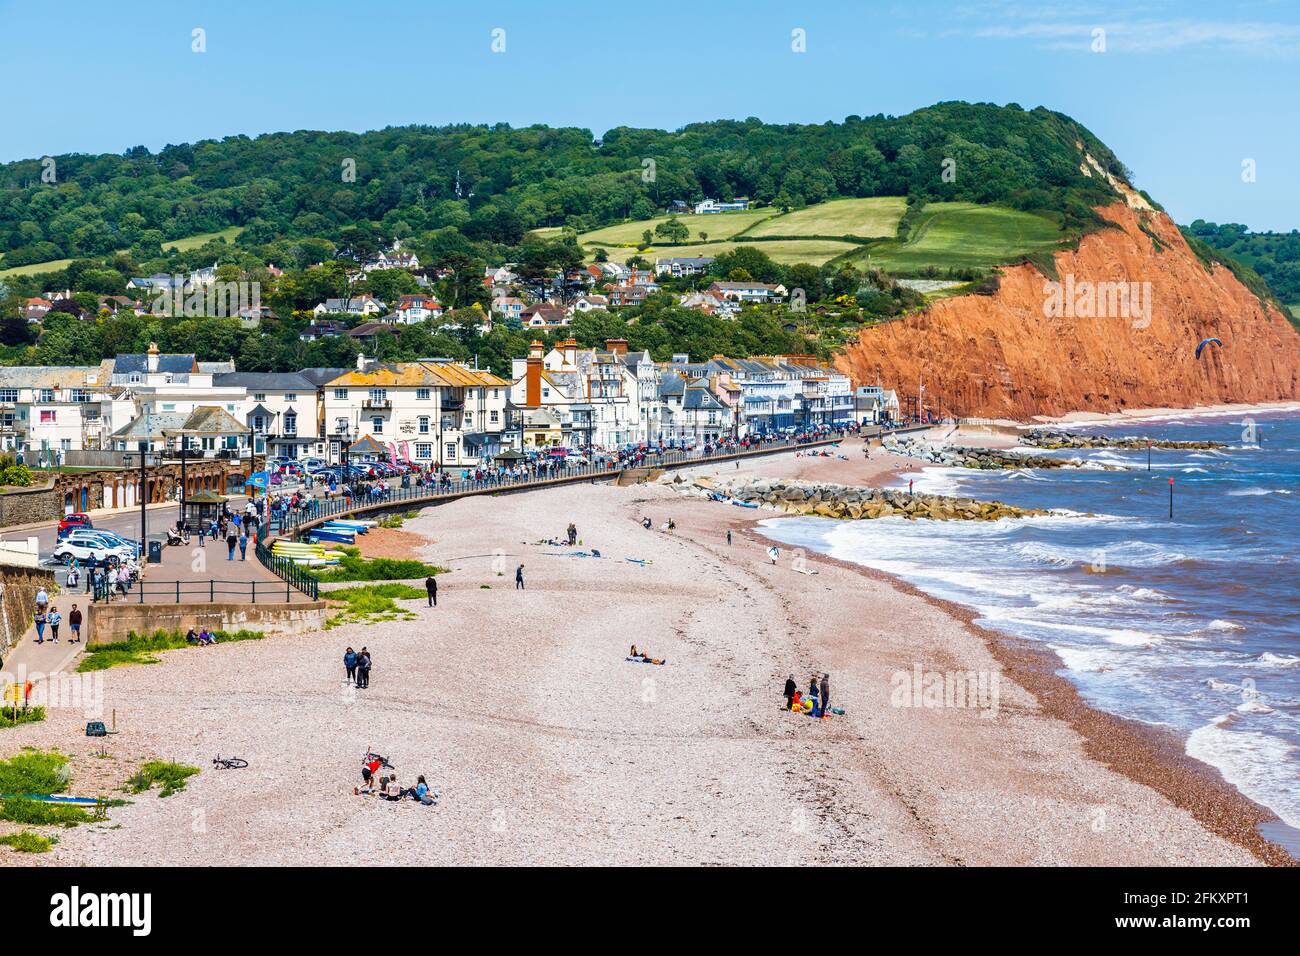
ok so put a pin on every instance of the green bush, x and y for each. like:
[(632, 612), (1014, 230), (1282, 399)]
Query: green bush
[(140, 648), (19, 476), (375, 602), (170, 776), (353, 567), (40, 813), (29, 715), (34, 771), (25, 842)]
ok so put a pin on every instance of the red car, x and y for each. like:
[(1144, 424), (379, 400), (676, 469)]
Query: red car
[(74, 520)]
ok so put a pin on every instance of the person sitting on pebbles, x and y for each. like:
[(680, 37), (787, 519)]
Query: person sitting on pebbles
[(644, 658)]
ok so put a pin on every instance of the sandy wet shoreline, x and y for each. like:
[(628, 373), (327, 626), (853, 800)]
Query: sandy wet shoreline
[(549, 747)]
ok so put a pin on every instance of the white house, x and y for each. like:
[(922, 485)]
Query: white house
[(360, 305)]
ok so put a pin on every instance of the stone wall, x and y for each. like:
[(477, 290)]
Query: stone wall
[(18, 587), (105, 624), (108, 488)]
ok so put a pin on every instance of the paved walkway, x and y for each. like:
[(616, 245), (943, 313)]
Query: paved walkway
[(201, 574)]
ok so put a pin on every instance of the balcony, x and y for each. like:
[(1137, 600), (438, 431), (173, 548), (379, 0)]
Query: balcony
[(377, 405)]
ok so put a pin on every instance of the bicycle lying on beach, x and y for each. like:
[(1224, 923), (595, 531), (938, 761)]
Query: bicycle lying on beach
[(229, 763)]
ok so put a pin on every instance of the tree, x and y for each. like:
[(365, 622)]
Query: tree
[(674, 230)]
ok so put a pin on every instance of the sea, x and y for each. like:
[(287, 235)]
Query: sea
[(1190, 623)]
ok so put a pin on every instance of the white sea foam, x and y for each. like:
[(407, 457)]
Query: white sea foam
[(1263, 767)]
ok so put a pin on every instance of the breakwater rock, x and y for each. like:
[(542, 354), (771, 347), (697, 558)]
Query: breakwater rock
[(956, 456), (843, 501), (1051, 438)]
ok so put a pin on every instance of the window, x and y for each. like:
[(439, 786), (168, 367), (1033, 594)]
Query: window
[(48, 416), (377, 425), (290, 424), (259, 423), (495, 416), (340, 426), (469, 419), (290, 397), (423, 450), (259, 396), (424, 424), (379, 394), (451, 451), (169, 406), (421, 394), (82, 395), (47, 395), (341, 394), (8, 394)]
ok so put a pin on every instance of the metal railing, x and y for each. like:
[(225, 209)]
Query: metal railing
[(210, 591), (287, 571), (317, 509)]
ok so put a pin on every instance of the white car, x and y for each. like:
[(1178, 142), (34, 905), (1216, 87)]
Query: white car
[(88, 546)]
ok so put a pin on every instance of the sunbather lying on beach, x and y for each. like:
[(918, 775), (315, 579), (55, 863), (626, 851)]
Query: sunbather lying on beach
[(635, 655)]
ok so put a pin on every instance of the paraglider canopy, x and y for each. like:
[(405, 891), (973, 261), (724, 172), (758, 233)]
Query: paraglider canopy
[(1204, 343)]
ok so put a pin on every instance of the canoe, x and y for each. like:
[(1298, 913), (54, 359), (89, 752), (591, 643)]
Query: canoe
[(338, 536)]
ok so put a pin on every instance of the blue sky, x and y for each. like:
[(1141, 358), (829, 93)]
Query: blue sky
[(1184, 91)]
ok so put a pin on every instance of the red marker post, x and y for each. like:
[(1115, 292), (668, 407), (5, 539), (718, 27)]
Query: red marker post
[(1171, 499)]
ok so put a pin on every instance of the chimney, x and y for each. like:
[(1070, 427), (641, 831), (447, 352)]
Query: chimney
[(533, 376), (617, 346), (570, 347), (151, 360)]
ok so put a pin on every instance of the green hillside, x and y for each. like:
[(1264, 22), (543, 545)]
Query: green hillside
[(964, 236)]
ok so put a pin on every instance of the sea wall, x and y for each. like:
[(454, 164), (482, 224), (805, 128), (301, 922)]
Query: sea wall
[(18, 587)]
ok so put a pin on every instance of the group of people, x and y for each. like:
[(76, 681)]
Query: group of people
[(104, 578), (202, 638), (387, 787), (47, 615), (356, 665), (819, 692)]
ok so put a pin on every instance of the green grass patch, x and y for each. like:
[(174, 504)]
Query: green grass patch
[(353, 567), (30, 715), (25, 842), (965, 236), (721, 225), (371, 603), (34, 771), (141, 648), (40, 813), (170, 777), (872, 218)]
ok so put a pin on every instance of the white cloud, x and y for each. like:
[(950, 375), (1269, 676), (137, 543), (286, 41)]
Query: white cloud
[(1155, 36)]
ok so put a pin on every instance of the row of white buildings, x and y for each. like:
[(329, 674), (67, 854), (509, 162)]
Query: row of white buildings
[(427, 411)]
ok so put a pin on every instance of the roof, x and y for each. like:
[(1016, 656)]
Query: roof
[(419, 374), (139, 362), (368, 446), (316, 377), (153, 426), (699, 397), (265, 381), (50, 376), (210, 420)]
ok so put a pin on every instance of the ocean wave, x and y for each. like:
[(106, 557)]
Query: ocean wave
[(1262, 766), (1218, 624)]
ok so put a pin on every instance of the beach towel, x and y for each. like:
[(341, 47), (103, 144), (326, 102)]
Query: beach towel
[(641, 561), (644, 660)]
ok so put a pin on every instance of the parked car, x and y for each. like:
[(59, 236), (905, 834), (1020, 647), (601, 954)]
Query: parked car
[(86, 546), (75, 520)]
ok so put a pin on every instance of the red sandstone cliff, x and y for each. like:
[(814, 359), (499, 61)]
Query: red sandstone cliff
[(1002, 356)]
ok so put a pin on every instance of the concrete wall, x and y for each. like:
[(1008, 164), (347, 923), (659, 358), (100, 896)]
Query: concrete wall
[(18, 587), (105, 624), (29, 505)]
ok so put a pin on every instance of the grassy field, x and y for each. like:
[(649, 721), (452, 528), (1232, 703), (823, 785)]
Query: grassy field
[(964, 235), (180, 245), (786, 252), (721, 225), (193, 242), (865, 218)]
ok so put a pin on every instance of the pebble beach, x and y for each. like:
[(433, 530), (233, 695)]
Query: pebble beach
[(550, 747)]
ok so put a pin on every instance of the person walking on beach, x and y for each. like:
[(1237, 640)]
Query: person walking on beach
[(519, 578), (55, 619), (39, 621), (728, 536), (363, 668), (232, 539), (243, 543), (774, 552), (909, 487), (826, 692), (431, 589), (791, 688), (350, 664), (74, 622), (573, 534)]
